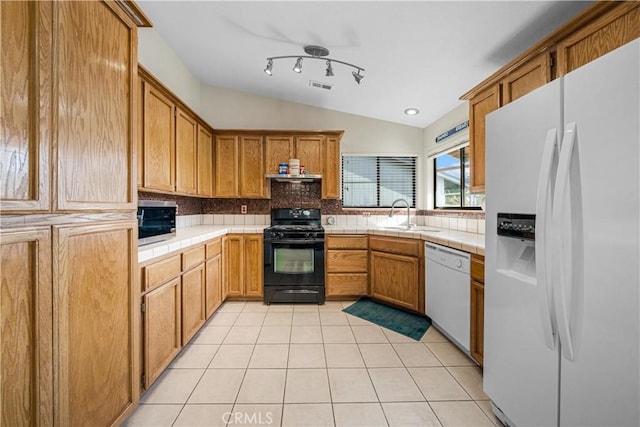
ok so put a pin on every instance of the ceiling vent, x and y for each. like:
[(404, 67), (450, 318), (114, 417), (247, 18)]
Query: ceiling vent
[(320, 85)]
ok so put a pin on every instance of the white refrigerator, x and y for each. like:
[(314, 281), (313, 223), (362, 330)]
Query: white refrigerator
[(562, 318)]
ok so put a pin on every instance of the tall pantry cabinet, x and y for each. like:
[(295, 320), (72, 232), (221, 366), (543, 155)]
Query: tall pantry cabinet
[(68, 231)]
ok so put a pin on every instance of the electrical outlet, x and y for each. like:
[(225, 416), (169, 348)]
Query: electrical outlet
[(243, 209)]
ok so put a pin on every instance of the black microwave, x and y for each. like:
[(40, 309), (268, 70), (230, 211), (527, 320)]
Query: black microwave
[(156, 221)]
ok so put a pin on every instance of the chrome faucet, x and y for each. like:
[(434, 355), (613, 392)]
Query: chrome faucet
[(393, 205)]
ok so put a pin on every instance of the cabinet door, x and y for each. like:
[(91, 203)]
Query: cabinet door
[(279, 149), (234, 258), (25, 102), (193, 302), (394, 278), (226, 166), (331, 171), (205, 162), (477, 321), (96, 312), (252, 183), (162, 327), (532, 75), (96, 60), (26, 348), (186, 149), (608, 32), (213, 286), (159, 140), (309, 152), (481, 105), (253, 265)]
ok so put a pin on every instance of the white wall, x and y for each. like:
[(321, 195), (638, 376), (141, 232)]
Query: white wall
[(160, 60), (443, 124)]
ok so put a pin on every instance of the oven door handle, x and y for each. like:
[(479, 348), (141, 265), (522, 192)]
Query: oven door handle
[(295, 241)]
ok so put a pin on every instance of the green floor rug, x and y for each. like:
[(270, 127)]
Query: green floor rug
[(408, 324)]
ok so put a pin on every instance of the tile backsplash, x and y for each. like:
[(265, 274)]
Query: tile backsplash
[(469, 225)]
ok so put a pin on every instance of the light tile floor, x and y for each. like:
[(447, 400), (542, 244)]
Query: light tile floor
[(309, 365)]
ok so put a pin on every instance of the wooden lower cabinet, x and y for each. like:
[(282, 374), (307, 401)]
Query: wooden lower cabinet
[(162, 328), (477, 321), (26, 310), (234, 260), (193, 302), (477, 308), (213, 284), (244, 269), (394, 278), (347, 265), (96, 313)]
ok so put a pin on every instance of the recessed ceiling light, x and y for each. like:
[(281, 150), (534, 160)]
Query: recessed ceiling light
[(411, 111)]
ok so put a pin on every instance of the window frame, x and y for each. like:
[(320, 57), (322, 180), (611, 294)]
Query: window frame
[(460, 150), (415, 158)]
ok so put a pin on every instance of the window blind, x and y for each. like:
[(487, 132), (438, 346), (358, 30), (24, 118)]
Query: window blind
[(376, 181)]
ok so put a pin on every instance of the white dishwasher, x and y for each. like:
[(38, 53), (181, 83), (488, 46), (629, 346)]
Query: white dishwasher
[(447, 291)]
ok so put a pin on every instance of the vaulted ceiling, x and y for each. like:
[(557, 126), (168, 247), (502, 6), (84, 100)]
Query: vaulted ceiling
[(421, 54)]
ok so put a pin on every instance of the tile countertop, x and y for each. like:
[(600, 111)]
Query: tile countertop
[(189, 236), (468, 242)]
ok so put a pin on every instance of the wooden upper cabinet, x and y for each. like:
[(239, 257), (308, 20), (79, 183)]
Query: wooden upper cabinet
[(481, 105), (309, 150), (26, 348), (226, 166), (159, 140), (331, 169), (278, 149), (95, 107), (603, 35), (252, 183), (186, 151), (534, 74), (205, 162), (25, 102), (97, 316)]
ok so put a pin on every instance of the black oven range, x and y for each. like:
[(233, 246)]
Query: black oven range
[(294, 257)]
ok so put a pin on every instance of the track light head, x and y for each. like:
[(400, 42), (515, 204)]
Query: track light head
[(298, 67), (329, 69), (357, 76), (267, 70)]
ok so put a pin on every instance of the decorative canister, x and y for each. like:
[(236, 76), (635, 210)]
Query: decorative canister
[(302, 170), (294, 166), (282, 168)]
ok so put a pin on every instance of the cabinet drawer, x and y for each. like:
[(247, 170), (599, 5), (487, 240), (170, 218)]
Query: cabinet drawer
[(192, 257), (347, 261), (477, 268), (160, 272), (347, 284), (347, 242), (214, 248), (395, 245)]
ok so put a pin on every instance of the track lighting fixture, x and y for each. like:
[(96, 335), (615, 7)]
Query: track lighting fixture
[(329, 69), (357, 76), (298, 67), (267, 70), (316, 52)]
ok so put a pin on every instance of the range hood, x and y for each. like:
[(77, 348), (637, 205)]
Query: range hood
[(293, 178)]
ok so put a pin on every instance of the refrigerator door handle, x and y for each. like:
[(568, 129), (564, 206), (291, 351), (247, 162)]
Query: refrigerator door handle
[(543, 253), (562, 241)]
